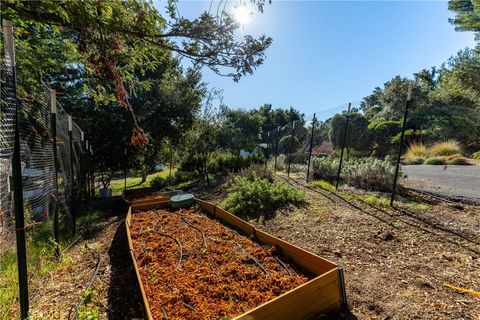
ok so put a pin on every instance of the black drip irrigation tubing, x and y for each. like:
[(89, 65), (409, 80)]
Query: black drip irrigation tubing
[(90, 283), (179, 264)]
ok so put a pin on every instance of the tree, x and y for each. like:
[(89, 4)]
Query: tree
[(467, 14), (116, 38), (381, 134), (357, 134), (240, 129), (202, 139)]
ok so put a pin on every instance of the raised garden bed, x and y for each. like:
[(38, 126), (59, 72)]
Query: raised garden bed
[(144, 195), (191, 266)]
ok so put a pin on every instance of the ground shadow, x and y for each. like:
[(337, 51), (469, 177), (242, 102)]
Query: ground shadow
[(124, 295)]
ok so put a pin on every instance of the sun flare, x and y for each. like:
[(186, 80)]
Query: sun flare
[(242, 14)]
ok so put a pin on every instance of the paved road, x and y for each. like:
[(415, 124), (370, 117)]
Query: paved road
[(459, 182)]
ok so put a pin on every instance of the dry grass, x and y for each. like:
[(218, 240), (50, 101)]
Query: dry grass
[(445, 148), (416, 153)]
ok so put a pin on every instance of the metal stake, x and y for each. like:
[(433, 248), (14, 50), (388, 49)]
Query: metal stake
[(17, 183), (72, 193), (343, 147), (311, 147), (53, 130), (400, 146), (290, 148)]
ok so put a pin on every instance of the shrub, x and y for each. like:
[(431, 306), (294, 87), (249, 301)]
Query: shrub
[(476, 155), (161, 182), (460, 161), (256, 170), (259, 196), (446, 148), (324, 168), (434, 161), (226, 161), (415, 153), (370, 174)]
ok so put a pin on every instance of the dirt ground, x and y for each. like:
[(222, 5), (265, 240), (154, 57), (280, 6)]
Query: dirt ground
[(398, 262), (114, 293)]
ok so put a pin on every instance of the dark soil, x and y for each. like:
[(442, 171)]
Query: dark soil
[(194, 267)]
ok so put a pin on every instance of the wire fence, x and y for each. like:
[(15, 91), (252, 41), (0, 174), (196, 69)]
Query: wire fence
[(52, 158)]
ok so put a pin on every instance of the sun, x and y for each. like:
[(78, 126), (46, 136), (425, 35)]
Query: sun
[(242, 15)]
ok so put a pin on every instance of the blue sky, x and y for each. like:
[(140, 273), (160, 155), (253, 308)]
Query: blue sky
[(327, 53)]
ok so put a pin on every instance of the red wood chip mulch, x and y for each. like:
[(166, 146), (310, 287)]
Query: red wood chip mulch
[(193, 267)]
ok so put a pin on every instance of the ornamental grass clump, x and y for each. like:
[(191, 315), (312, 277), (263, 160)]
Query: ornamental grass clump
[(416, 153), (255, 197), (445, 148)]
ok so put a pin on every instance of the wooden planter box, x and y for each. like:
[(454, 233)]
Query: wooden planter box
[(324, 294), (131, 196)]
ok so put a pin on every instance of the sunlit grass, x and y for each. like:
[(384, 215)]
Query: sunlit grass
[(325, 185), (134, 181)]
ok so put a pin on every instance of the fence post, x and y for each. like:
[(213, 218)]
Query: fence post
[(343, 147), (402, 137), (87, 172), (70, 142), (171, 164), (92, 174), (125, 168), (276, 150), (53, 131), (290, 148), (311, 147), (17, 182), (84, 173)]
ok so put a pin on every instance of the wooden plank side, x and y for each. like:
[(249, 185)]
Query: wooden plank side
[(148, 201), (235, 221), (303, 302), (308, 260), (151, 205), (205, 205), (135, 266)]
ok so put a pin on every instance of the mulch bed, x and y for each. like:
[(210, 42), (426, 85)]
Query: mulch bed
[(193, 267), (143, 194)]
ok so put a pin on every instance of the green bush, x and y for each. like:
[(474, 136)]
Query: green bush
[(259, 196), (161, 182), (256, 170), (325, 168), (369, 174), (434, 161), (476, 155), (222, 162)]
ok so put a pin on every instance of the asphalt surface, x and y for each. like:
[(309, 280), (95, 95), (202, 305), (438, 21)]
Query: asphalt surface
[(455, 182)]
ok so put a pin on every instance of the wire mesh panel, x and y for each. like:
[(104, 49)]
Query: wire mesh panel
[(7, 112), (37, 157), (40, 170)]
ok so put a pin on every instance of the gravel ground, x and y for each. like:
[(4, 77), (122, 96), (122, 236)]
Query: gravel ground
[(456, 182)]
